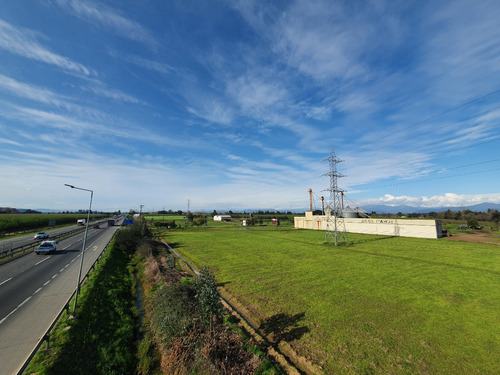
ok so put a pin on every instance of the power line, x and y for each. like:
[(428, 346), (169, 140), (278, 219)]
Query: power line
[(496, 138), (442, 113), (423, 173), (442, 177)]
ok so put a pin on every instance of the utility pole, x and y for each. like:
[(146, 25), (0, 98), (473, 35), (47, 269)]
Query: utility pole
[(335, 226)]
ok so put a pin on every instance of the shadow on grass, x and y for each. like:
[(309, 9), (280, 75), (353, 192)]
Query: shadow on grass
[(284, 327)]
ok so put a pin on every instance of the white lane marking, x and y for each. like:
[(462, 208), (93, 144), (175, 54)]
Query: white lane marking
[(3, 282), (26, 300), (62, 269), (4, 319), (36, 291), (43, 260), (53, 277), (48, 281), (94, 248), (13, 311)]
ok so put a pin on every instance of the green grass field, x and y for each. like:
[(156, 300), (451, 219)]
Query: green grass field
[(382, 305)]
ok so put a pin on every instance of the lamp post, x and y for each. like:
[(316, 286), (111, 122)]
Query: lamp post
[(84, 243)]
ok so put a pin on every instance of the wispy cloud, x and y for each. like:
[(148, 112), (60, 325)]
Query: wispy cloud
[(9, 142), (109, 19), (144, 63), (28, 91), (86, 128), (102, 90), (23, 42), (211, 110)]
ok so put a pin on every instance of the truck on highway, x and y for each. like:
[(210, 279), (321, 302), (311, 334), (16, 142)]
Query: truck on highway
[(80, 222), (111, 222)]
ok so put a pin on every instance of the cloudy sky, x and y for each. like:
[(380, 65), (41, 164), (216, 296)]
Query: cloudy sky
[(234, 104)]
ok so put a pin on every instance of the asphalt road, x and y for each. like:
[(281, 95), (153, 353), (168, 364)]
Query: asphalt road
[(8, 244), (34, 289)]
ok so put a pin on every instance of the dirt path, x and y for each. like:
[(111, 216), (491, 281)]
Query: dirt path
[(482, 237)]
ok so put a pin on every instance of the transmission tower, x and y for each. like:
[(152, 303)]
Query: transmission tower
[(335, 226)]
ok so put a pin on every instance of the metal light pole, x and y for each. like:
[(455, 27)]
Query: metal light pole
[(84, 243)]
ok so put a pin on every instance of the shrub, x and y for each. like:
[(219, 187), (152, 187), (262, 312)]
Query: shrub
[(208, 296), (175, 311)]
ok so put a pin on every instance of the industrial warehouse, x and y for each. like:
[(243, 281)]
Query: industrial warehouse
[(386, 227), (358, 221)]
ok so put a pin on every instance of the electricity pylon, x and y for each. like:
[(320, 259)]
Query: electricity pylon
[(335, 226)]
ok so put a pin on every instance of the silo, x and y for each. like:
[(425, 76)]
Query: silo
[(348, 212)]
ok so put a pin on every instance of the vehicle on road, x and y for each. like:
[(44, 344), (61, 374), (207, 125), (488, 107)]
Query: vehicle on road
[(80, 222), (111, 222), (41, 236), (96, 226), (46, 247)]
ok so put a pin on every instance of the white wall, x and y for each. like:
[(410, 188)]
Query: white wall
[(387, 227)]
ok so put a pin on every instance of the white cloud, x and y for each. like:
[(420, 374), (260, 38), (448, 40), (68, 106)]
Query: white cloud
[(25, 90), (23, 43), (145, 63), (101, 90), (102, 16), (445, 200), (9, 142)]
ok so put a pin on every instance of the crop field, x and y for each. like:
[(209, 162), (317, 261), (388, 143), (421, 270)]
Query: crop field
[(381, 305), (165, 217), (23, 222)]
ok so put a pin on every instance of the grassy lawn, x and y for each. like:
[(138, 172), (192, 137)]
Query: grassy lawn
[(382, 305)]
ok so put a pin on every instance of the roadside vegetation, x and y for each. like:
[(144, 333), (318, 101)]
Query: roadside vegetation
[(102, 339), (173, 323), (186, 320), (382, 305)]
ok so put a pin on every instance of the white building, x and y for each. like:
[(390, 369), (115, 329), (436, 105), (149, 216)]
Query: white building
[(222, 218), (381, 226)]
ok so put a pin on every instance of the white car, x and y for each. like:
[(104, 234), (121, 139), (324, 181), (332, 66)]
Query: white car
[(41, 236), (46, 247)]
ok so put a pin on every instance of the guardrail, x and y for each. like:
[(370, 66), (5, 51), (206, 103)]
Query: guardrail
[(46, 336), (12, 250), (277, 351)]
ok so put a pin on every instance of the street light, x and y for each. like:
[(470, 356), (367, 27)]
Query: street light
[(84, 243)]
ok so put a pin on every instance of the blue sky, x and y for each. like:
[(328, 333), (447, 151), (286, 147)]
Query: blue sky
[(234, 104)]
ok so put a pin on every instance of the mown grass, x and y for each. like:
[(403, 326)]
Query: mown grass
[(382, 305), (102, 339)]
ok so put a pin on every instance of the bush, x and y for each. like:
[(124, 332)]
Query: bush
[(208, 296), (175, 311)]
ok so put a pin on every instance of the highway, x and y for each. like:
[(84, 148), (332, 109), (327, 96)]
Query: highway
[(34, 289), (15, 242)]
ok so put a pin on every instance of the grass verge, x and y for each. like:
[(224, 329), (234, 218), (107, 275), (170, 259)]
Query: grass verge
[(102, 339)]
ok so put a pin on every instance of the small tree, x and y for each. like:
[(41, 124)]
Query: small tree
[(473, 223), (200, 220), (495, 217), (208, 297)]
